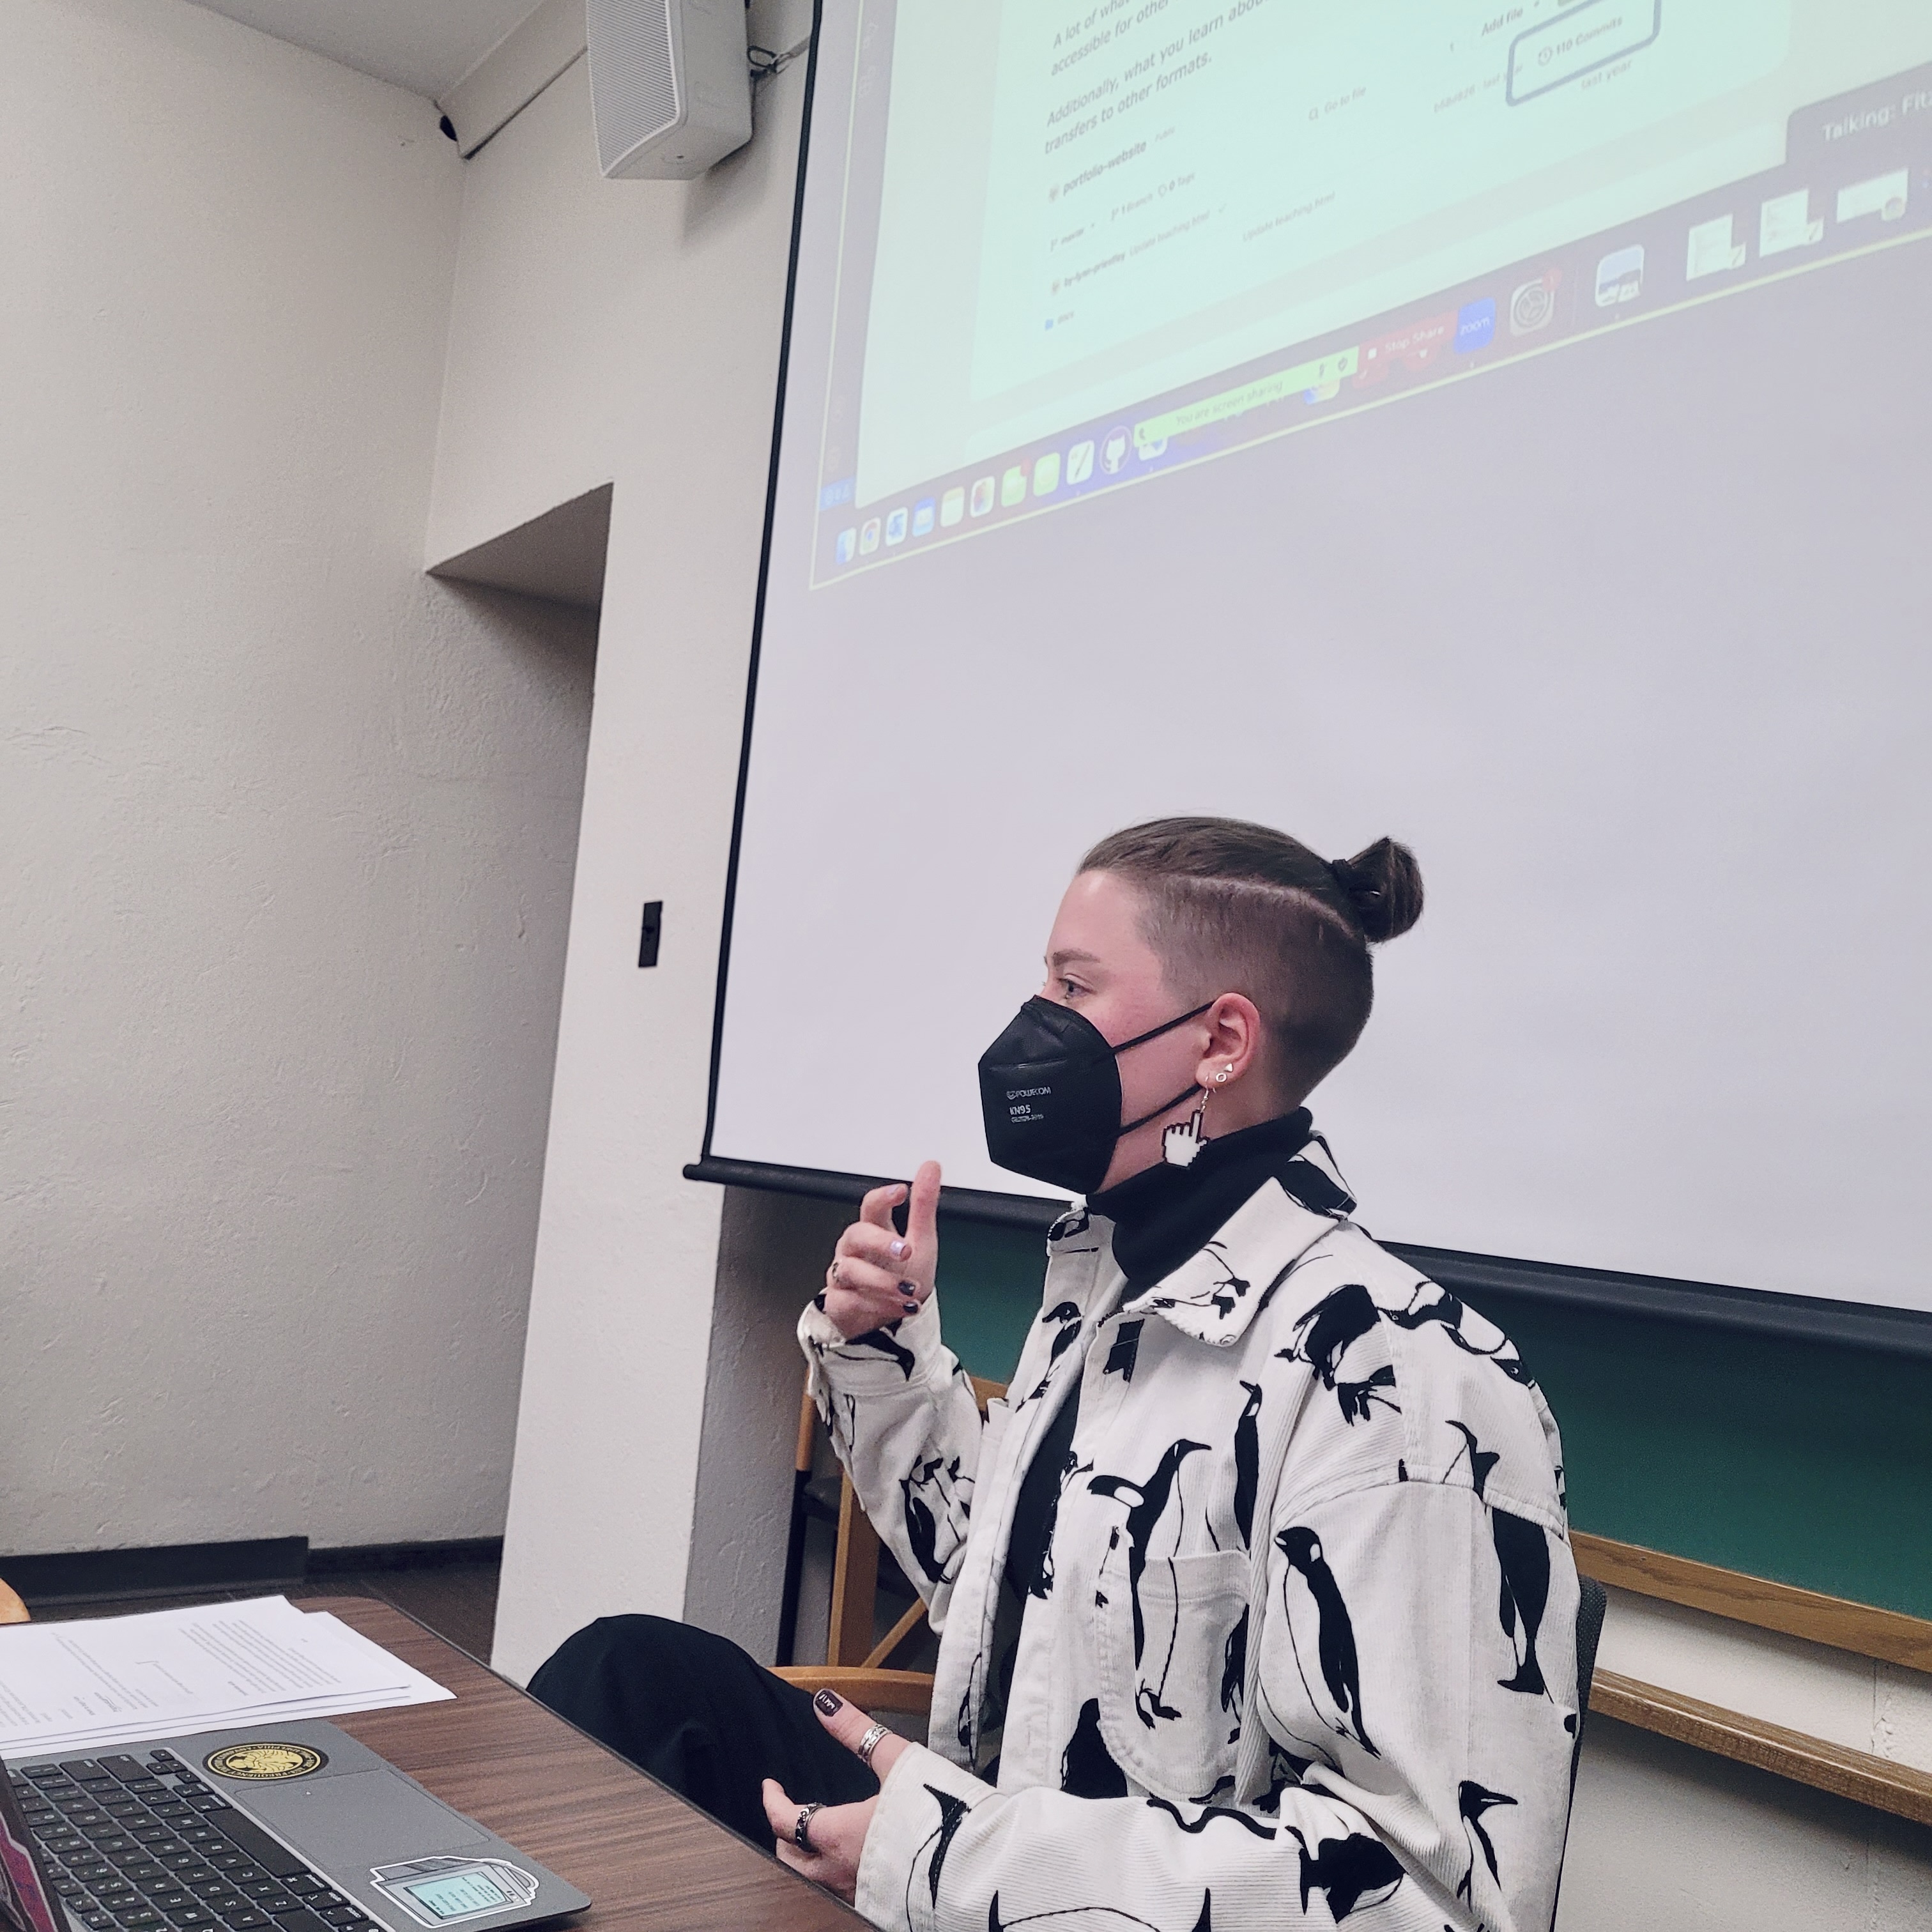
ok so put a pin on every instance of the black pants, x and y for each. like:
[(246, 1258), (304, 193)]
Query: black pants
[(701, 1716)]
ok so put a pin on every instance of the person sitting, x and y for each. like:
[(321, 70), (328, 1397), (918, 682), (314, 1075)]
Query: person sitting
[(1255, 1597)]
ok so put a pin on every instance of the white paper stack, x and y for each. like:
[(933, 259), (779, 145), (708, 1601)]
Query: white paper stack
[(75, 1688)]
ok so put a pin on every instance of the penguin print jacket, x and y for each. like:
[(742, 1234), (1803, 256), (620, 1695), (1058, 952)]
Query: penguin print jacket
[(1301, 1649)]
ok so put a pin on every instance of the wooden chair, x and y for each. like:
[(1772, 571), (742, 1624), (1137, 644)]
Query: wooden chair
[(12, 1610), (855, 1666)]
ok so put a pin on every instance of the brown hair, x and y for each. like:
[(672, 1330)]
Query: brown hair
[(1231, 907)]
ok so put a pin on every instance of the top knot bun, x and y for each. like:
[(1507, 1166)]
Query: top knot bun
[(1384, 885)]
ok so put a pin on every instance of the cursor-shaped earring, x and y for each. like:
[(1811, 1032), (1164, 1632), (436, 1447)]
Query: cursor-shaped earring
[(1179, 1145)]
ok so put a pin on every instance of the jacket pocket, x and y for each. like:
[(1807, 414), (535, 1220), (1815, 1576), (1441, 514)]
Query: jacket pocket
[(1172, 1650)]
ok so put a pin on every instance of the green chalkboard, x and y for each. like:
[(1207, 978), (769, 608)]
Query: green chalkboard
[(1804, 1462)]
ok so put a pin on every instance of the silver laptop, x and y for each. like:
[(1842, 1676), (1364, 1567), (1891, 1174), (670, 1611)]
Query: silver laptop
[(297, 1828)]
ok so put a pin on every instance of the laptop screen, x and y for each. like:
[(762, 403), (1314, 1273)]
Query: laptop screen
[(26, 1899)]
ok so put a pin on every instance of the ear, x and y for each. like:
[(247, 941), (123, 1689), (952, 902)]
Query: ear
[(1234, 1028)]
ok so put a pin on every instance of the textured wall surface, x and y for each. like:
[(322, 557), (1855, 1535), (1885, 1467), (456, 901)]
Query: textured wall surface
[(1664, 1835), (772, 1253), (626, 332), (289, 829)]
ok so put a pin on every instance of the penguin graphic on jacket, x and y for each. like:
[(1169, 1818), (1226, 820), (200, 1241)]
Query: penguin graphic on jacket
[(1522, 1558), (1481, 1460), (1431, 1302), (1522, 1561), (1223, 1296), (1324, 1335), (1146, 1504), (933, 1495), (1067, 1314), (1087, 1767), (1339, 1697), (951, 1815), (881, 1341), (1472, 1800), (1346, 1871), (1234, 1671), (1247, 1463)]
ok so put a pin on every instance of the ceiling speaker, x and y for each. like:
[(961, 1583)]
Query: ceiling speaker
[(670, 85)]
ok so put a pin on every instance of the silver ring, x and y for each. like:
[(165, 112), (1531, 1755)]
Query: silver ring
[(869, 1743), (832, 1273), (801, 1832)]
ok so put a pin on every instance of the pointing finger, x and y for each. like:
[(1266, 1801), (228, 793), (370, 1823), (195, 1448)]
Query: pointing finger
[(850, 1725), (922, 1216)]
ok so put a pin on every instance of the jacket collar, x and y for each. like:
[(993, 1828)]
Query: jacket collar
[(1216, 1294)]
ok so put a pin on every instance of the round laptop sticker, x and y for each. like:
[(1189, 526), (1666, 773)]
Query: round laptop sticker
[(265, 1762)]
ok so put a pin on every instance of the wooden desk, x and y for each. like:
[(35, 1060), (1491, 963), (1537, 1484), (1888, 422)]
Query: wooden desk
[(651, 1862)]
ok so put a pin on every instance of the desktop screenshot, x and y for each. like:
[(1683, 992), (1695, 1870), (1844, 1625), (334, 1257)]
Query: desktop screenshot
[(1081, 247)]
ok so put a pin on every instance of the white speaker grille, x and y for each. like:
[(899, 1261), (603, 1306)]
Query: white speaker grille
[(633, 75)]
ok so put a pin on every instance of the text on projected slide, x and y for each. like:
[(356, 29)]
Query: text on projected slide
[(1207, 226), (1211, 147)]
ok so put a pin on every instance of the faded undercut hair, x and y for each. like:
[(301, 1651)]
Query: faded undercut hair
[(1228, 907)]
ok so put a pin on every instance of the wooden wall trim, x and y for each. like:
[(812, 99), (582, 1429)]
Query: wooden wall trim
[(1859, 1627), (1900, 1789)]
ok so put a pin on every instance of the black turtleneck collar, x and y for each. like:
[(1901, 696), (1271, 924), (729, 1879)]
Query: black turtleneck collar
[(1164, 1214)]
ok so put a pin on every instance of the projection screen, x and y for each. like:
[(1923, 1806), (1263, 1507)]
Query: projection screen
[(1506, 428)]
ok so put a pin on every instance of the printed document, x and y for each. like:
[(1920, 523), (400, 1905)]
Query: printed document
[(87, 1685)]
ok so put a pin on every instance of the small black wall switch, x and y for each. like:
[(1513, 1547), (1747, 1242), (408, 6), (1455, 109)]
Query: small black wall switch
[(647, 940)]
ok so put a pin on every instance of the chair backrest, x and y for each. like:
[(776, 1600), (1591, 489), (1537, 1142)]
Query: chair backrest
[(855, 1570), (1591, 1604)]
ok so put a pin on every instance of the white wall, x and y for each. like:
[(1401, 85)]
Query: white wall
[(289, 828), (625, 331), (771, 1259), (1667, 1837)]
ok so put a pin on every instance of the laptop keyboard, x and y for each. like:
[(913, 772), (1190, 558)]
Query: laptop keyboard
[(144, 1845)]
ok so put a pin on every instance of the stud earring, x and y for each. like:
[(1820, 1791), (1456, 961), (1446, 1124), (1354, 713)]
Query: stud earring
[(1223, 1074)]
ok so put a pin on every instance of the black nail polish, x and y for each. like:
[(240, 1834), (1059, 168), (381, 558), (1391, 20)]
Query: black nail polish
[(912, 1308), (828, 1703)]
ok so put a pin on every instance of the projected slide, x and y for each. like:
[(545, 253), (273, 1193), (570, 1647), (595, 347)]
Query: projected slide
[(1086, 244), (1501, 427), (1207, 148)]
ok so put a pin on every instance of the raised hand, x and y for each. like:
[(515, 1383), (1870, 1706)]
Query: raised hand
[(877, 1275)]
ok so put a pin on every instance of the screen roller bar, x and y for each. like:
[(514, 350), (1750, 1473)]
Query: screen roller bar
[(970, 1204), (1481, 1278), (1749, 1311)]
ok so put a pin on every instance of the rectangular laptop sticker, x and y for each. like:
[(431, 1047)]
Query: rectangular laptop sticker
[(447, 1891)]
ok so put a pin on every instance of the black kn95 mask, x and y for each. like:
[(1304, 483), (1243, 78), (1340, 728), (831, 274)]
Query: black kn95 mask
[(1050, 1093)]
